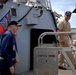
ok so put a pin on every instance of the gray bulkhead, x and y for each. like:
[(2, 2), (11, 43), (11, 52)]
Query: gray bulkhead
[(31, 21)]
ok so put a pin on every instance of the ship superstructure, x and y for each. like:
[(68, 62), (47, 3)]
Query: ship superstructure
[(36, 17)]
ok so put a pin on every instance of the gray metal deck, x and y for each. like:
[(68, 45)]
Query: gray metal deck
[(26, 73), (61, 72)]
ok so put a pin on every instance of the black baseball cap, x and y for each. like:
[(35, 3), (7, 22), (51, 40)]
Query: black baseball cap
[(14, 23), (68, 13)]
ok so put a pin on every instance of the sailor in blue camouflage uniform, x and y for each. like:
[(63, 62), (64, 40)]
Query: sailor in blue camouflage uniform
[(9, 48)]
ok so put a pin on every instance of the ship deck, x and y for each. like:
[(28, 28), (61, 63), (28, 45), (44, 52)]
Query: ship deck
[(65, 72), (60, 72)]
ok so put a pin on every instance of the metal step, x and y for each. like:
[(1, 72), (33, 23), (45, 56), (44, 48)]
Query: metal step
[(26, 73)]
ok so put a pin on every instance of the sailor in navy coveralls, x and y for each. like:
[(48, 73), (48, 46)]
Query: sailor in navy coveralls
[(9, 48)]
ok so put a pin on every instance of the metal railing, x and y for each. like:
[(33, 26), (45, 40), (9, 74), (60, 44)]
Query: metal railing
[(52, 33), (43, 3), (62, 49)]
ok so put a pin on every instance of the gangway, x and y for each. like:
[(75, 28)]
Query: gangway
[(62, 49)]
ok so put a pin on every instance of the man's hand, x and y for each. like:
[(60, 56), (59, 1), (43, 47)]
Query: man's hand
[(12, 70), (70, 36), (60, 35)]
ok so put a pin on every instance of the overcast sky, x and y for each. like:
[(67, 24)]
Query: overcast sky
[(61, 6)]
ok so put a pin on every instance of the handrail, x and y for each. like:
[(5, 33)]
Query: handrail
[(61, 48), (52, 33)]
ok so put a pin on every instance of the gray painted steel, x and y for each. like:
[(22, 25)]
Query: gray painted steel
[(24, 33), (45, 60)]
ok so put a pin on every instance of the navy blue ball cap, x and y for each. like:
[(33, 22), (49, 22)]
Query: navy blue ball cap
[(68, 13), (14, 23)]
